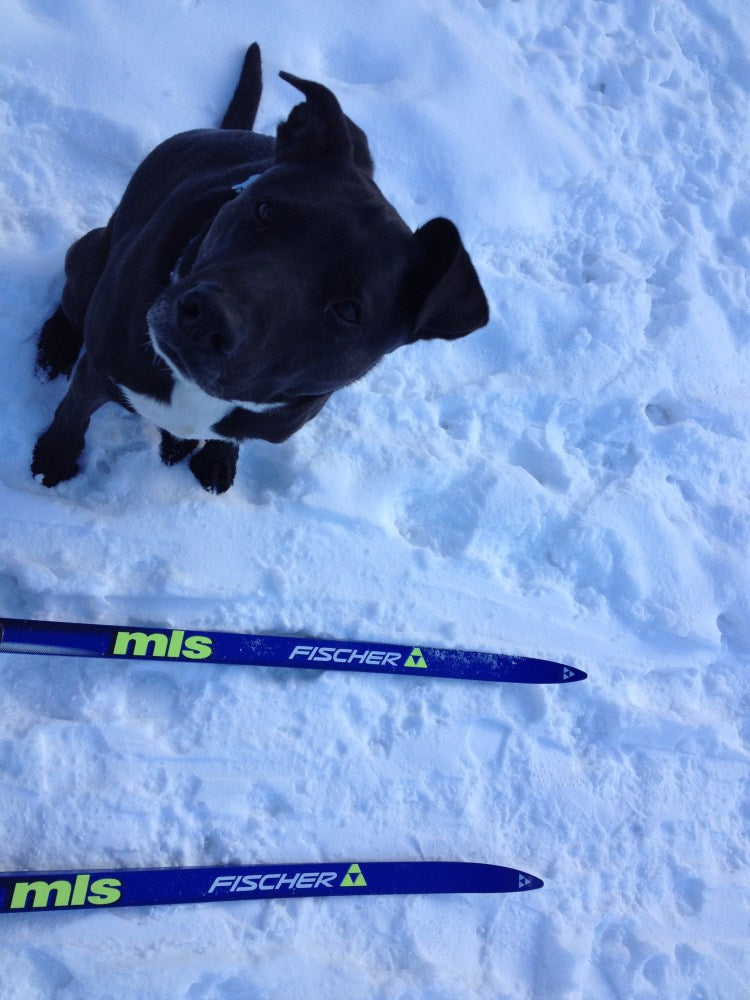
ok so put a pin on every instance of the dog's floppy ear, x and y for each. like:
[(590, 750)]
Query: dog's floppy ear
[(442, 285), (318, 131)]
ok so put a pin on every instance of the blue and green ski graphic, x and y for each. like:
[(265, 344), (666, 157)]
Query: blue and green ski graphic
[(23, 635), (35, 891)]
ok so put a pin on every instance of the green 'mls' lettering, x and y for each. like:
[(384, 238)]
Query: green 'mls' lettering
[(140, 644), (62, 893), (197, 647), (159, 644)]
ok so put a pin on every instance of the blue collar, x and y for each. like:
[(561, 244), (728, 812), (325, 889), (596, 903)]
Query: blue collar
[(239, 188)]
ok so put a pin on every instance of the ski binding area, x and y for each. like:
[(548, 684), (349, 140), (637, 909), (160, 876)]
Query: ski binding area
[(21, 892), (126, 642)]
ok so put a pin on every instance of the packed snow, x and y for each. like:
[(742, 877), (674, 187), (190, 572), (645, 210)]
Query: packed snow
[(570, 482)]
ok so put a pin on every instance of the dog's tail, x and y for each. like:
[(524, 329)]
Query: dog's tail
[(244, 104)]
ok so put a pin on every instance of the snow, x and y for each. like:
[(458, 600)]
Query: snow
[(571, 482)]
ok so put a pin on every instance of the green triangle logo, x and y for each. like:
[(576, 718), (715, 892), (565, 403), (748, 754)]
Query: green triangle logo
[(415, 659), (353, 878)]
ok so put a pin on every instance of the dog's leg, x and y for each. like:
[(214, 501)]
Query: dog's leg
[(57, 451), (173, 449), (215, 465), (61, 338), (59, 345)]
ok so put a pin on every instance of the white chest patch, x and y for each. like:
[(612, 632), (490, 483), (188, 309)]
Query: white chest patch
[(191, 412)]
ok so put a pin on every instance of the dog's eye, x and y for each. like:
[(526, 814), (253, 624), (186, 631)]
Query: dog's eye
[(264, 212), (348, 311)]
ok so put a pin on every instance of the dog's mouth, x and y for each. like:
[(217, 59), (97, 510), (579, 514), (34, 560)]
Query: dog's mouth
[(206, 376), (157, 320), (209, 373)]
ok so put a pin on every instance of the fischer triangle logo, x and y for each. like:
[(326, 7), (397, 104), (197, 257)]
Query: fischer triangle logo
[(415, 659), (523, 881), (354, 879)]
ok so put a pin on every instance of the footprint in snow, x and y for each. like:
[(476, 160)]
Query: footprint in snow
[(664, 410), (534, 453), (688, 892), (446, 520), (355, 59), (486, 741)]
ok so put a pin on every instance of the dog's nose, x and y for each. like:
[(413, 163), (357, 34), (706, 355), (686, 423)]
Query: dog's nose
[(200, 316)]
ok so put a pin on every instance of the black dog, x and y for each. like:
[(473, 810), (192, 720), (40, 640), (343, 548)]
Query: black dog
[(240, 282)]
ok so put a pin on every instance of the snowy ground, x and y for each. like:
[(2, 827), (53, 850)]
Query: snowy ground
[(571, 482)]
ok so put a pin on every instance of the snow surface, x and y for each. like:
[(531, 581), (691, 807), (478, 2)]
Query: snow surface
[(571, 482)]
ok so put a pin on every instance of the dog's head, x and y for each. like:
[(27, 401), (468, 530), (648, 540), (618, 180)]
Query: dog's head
[(308, 276)]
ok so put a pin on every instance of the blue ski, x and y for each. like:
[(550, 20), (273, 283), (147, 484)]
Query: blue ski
[(146, 642), (21, 892)]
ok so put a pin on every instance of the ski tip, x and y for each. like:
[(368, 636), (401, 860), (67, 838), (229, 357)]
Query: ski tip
[(527, 882), (499, 879), (571, 674)]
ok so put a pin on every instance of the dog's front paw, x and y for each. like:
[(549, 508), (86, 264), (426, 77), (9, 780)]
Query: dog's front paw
[(215, 465), (173, 449), (53, 461)]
